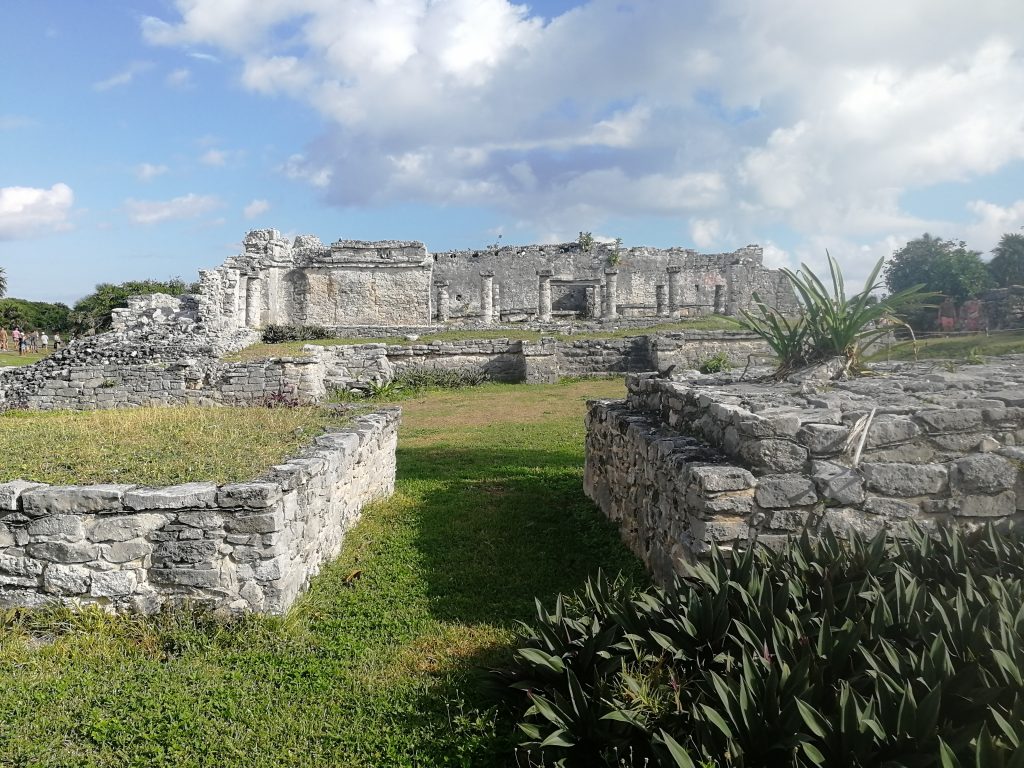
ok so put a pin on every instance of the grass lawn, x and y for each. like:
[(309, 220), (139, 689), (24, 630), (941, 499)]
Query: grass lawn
[(964, 348), (153, 446), (488, 513), (13, 358), (294, 348)]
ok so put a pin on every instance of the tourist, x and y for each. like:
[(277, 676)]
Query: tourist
[(3, 339), (44, 341), (19, 340), (56, 341)]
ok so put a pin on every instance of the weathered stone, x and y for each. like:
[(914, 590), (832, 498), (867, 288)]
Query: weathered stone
[(125, 551), (984, 473), (10, 493), (892, 508), (185, 577), (66, 579), (206, 520), (959, 420), (905, 479), (774, 455), (187, 496), (61, 552), (66, 527), (782, 491), (73, 499), (113, 583), (884, 432), (837, 482), (843, 519), (257, 523), (190, 552), (997, 505), (124, 527), (251, 495), (13, 565), (823, 439), (721, 477)]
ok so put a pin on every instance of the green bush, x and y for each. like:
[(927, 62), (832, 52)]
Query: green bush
[(274, 334), (715, 364), (824, 653)]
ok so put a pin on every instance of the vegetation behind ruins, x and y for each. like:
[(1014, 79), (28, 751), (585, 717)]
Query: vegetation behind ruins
[(379, 664), (154, 446)]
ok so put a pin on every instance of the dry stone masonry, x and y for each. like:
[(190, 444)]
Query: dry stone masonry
[(243, 547), (681, 465)]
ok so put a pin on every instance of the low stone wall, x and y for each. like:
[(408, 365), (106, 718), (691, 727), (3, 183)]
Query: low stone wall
[(245, 546), (497, 359), (682, 465)]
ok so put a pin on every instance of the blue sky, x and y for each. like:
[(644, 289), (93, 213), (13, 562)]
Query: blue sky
[(143, 139)]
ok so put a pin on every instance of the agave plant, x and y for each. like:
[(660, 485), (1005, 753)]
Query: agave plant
[(831, 324)]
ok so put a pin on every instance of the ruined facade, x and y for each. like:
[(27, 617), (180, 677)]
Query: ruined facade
[(396, 283)]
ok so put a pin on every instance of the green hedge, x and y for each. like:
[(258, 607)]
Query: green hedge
[(826, 653)]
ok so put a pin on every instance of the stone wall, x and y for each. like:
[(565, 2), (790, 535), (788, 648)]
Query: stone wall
[(245, 546), (682, 465)]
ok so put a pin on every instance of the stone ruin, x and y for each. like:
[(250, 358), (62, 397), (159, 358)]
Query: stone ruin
[(682, 465), (398, 283)]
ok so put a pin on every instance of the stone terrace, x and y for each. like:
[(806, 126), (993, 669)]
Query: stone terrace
[(683, 464)]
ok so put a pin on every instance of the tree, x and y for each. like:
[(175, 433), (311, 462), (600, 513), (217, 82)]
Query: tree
[(3, 282), (1007, 267), (94, 313), (33, 315), (944, 267)]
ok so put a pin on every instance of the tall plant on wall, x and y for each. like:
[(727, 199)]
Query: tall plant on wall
[(830, 324)]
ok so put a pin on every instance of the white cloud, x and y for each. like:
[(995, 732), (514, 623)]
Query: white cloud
[(216, 158), (992, 221), (124, 77), (256, 208), (187, 206), (179, 78), (781, 114), (147, 171), (28, 211)]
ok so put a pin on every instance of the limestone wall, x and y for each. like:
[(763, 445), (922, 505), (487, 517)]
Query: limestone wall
[(245, 546), (684, 464)]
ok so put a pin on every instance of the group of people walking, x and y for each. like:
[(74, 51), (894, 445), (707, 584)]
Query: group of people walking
[(27, 341)]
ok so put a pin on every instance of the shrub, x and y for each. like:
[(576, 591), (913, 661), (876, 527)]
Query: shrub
[(826, 652), (274, 334), (715, 364), (830, 324)]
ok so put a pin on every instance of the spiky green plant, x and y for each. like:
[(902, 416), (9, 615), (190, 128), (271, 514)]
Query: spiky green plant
[(831, 324)]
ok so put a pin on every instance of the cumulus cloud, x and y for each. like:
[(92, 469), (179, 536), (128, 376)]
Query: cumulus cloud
[(256, 208), (147, 171), (216, 158), (819, 117), (28, 211), (992, 221), (188, 206)]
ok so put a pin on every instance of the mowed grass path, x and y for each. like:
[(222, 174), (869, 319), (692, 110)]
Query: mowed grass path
[(377, 670)]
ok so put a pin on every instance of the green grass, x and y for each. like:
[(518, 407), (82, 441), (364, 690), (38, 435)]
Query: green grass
[(294, 348), (153, 446), (965, 348), (13, 358), (488, 513)]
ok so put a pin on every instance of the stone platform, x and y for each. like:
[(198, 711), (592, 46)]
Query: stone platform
[(684, 464)]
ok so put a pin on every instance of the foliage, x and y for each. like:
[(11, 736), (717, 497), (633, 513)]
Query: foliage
[(943, 267), (415, 381), (831, 324), (35, 315), (955, 347), (826, 652), (586, 241), (716, 363), (1007, 266), (615, 255), (94, 312), (3, 282), (488, 512), (275, 334)]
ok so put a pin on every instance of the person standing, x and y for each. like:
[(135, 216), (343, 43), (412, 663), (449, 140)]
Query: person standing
[(3, 339), (19, 340), (56, 341), (44, 341)]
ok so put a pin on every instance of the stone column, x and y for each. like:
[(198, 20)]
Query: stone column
[(444, 302), (544, 295), (254, 302), (660, 300), (674, 294), (592, 301), (486, 297), (611, 294), (496, 302), (719, 299)]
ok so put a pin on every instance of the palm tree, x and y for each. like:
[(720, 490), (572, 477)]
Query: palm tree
[(3, 282)]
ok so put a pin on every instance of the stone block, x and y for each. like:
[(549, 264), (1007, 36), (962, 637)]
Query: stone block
[(891, 508), (62, 552), (185, 496), (774, 455), (982, 505), (66, 579), (823, 439), (982, 473), (185, 577), (721, 477), (889, 431), (843, 519), (732, 502), (73, 499), (125, 551), (203, 519), (124, 527), (65, 527), (251, 495), (943, 420), (113, 583), (10, 493), (190, 552), (837, 482), (267, 522), (905, 479), (16, 565), (782, 491)]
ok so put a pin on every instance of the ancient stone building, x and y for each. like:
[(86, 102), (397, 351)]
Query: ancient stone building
[(397, 283)]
